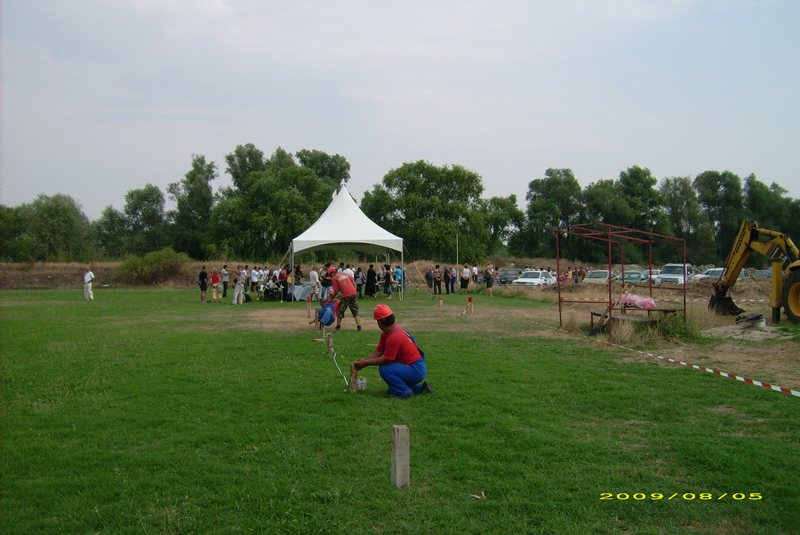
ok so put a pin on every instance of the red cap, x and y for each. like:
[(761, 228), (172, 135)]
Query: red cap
[(382, 311), (331, 270)]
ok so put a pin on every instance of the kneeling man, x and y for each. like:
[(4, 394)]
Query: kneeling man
[(401, 361)]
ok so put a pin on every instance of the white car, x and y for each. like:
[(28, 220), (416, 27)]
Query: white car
[(675, 273), (534, 278)]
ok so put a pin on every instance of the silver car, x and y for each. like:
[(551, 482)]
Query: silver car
[(716, 273)]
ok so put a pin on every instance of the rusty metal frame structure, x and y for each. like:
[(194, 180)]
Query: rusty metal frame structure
[(621, 236)]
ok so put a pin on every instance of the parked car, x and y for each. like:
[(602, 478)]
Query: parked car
[(715, 274), (654, 273), (763, 273), (633, 276), (675, 274), (534, 278), (507, 276), (598, 276)]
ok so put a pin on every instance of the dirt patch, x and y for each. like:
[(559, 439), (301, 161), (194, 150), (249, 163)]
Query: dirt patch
[(775, 362), (643, 359), (498, 321), (750, 334), (723, 408)]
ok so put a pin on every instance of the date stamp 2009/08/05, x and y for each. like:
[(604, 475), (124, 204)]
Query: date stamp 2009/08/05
[(686, 496)]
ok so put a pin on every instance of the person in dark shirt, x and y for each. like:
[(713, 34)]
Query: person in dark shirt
[(203, 284)]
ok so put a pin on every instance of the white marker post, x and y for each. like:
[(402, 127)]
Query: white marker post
[(401, 475)]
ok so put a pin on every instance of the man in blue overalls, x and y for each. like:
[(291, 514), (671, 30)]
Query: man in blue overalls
[(401, 361)]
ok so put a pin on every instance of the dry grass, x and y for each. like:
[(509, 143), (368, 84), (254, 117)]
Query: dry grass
[(623, 332), (572, 323)]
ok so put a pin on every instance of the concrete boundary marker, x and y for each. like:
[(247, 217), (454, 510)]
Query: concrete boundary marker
[(401, 458)]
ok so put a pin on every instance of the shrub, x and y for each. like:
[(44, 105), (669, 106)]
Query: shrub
[(154, 268)]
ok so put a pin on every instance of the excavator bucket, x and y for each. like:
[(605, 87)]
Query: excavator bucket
[(724, 306)]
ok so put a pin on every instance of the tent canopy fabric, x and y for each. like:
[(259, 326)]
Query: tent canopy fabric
[(344, 226)]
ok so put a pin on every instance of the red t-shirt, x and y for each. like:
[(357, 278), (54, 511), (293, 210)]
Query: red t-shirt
[(398, 347), (343, 282), (214, 279)]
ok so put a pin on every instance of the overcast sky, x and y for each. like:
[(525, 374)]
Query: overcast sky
[(103, 96)]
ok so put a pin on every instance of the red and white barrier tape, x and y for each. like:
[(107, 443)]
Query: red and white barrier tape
[(706, 300), (587, 300), (723, 374)]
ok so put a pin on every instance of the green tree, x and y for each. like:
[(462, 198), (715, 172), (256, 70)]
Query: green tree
[(428, 206), (51, 228), (686, 220), (194, 200), (553, 201), (605, 203), (503, 218), (260, 217), (243, 161), (721, 195), (146, 219), (112, 232), (637, 186), (16, 245), (768, 205), (228, 226), (281, 159), (333, 169)]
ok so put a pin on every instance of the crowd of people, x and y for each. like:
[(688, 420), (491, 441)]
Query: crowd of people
[(265, 284)]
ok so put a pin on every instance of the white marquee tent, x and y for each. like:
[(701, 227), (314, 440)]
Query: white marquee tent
[(344, 226)]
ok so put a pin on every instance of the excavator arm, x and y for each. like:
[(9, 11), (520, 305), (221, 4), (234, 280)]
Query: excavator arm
[(780, 249)]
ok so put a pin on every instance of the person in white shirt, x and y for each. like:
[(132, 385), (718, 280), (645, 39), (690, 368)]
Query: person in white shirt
[(224, 275), (254, 280), (313, 276), (465, 274), (88, 277), (262, 279)]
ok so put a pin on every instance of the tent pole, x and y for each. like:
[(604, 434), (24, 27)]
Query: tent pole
[(291, 266)]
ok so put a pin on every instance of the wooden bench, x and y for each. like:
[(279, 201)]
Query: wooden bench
[(623, 314)]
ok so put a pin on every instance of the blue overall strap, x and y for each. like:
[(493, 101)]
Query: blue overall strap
[(421, 352)]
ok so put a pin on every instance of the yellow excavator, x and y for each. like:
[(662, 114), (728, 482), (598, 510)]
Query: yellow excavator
[(785, 258)]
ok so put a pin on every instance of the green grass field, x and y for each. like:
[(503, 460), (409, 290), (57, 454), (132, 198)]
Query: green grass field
[(148, 412)]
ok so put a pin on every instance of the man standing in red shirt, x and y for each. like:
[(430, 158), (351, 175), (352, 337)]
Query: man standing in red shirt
[(344, 284), (401, 361)]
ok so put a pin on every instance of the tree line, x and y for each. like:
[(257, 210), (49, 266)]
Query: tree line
[(439, 211)]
